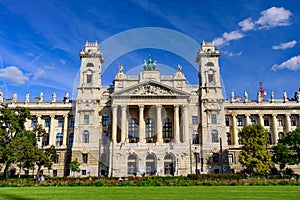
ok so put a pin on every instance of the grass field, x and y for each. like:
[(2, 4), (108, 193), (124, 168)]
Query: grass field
[(143, 193)]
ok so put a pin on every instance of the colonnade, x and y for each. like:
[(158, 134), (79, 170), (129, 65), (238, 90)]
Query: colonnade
[(158, 122)]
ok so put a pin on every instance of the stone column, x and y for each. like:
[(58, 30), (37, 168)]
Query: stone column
[(274, 128), (159, 124), (123, 123), (248, 122), (141, 124), (176, 124), (65, 130), (114, 122), (185, 124), (39, 122), (234, 131), (52, 134), (288, 123), (261, 119)]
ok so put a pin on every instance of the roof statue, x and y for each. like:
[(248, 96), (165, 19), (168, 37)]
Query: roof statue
[(151, 65)]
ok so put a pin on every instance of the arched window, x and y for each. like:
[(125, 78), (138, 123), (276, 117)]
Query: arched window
[(168, 165), (209, 64), (195, 137), (133, 128), (132, 165), (90, 65), (280, 135), (46, 139), (167, 128), (59, 139), (228, 138), (150, 129), (150, 165), (86, 137), (211, 76), (71, 139), (215, 136), (89, 78)]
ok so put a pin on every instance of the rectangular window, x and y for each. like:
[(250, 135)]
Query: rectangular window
[(215, 157), (34, 122), (54, 172), (83, 172), (60, 122), (280, 121), (227, 121), (86, 119), (104, 120), (230, 158), (266, 122), (240, 121), (88, 78), (195, 137), (194, 119), (253, 120), (84, 158), (72, 122), (213, 118), (56, 159), (293, 121), (210, 78), (47, 122)]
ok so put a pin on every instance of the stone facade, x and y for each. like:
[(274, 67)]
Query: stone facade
[(152, 123)]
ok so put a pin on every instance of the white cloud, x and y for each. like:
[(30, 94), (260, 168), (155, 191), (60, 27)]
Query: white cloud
[(13, 75), (247, 24), (62, 61), (286, 45), (232, 53), (39, 74), (227, 37), (291, 64), (273, 17)]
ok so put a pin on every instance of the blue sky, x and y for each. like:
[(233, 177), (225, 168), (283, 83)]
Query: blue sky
[(40, 41)]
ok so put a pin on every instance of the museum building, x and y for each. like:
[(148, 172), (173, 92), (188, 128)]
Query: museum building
[(152, 123)]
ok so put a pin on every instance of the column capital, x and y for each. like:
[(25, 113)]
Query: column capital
[(274, 115), (287, 114), (158, 105), (123, 106), (261, 115), (176, 106), (52, 115), (114, 106), (141, 106)]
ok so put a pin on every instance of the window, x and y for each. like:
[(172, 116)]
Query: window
[(209, 64), (280, 135), (46, 139), (90, 65), (228, 138), (54, 172), (59, 139), (104, 120), (253, 120), (213, 118), (194, 119), (150, 128), (83, 172), (105, 138), (227, 121), (131, 165), (47, 122), (215, 157), (280, 121), (167, 128), (86, 137), (133, 128), (72, 122), (211, 77), (56, 159), (86, 119), (34, 122), (60, 122), (195, 137), (240, 139), (240, 121), (293, 121), (269, 139), (215, 136), (89, 78), (266, 122), (230, 158), (71, 139), (84, 158)]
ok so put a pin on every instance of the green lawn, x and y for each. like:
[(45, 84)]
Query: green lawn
[(143, 193)]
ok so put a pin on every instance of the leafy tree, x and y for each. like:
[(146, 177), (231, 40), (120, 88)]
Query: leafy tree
[(74, 166), (287, 150), (45, 158), (254, 155)]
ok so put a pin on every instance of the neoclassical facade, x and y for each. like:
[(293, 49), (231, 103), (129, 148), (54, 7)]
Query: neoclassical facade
[(152, 123)]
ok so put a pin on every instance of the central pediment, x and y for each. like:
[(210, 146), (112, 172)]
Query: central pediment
[(150, 88)]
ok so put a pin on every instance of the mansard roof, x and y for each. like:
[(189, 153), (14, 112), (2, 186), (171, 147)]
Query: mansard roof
[(150, 89)]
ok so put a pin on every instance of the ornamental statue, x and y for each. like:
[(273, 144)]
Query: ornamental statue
[(151, 65)]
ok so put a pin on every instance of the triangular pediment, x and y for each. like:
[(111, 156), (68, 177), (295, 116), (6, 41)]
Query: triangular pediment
[(150, 88)]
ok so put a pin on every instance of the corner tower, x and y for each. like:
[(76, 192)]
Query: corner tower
[(211, 102)]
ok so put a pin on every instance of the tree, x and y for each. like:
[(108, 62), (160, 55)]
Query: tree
[(287, 150), (255, 155), (74, 166)]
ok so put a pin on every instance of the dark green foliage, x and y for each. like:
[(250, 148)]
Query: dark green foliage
[(287, 151), (255, 156)]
